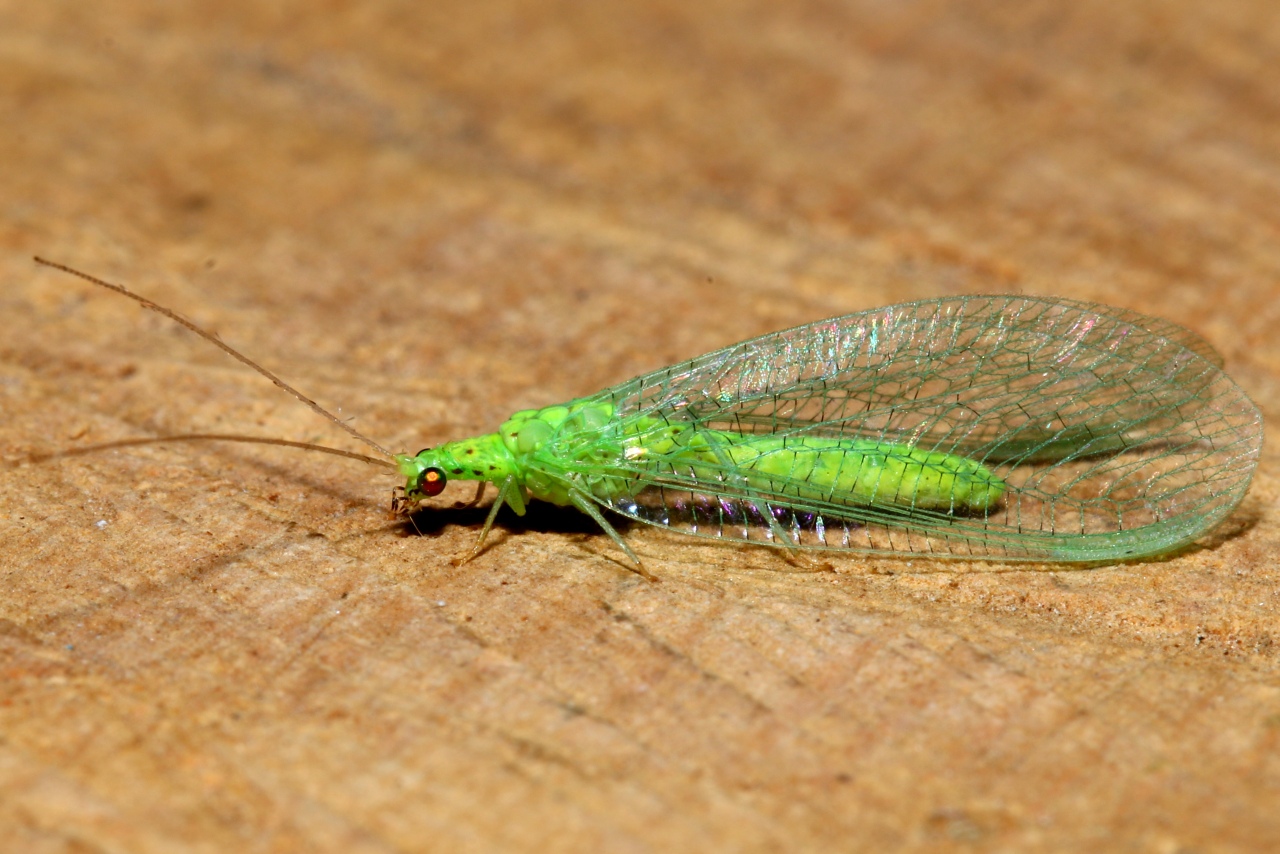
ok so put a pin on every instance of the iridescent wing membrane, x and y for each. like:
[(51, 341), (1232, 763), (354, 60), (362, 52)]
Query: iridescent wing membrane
[(1115, 435)]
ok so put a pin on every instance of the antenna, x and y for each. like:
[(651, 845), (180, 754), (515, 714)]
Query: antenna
[(229, 350), (214, 437)]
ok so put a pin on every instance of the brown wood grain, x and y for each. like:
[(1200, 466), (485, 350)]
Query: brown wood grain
[(430, 215)]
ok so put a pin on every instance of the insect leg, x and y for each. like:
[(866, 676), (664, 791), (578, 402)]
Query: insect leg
[(508, 493), (584, 504), (476, 500)]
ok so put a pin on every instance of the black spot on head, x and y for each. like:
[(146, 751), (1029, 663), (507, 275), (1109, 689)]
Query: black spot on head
[(457, 471), (493, 468), (471, 450)]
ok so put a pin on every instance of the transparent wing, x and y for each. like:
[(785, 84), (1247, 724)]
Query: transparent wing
[(1116, 435), (1157, 326)]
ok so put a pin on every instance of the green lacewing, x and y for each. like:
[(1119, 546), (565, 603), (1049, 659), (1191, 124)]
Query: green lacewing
[(1006, 428)]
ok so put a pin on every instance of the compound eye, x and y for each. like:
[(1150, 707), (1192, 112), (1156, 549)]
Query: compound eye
[(431, 482)]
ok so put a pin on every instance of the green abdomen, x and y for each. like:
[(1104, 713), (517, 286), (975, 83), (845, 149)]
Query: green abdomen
[(853, 471)]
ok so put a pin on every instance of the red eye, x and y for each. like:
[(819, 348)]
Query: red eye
[(431, 481)]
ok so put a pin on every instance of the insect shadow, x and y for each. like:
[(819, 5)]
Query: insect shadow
[(427, 521)]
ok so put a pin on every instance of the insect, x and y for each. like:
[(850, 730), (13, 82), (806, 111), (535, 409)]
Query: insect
[(1001, 427)]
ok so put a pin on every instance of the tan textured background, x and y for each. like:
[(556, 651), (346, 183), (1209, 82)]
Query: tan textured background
[(432, 214)]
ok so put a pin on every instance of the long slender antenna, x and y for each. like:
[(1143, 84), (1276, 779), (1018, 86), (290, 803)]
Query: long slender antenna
[(226, 348), (215, 437)]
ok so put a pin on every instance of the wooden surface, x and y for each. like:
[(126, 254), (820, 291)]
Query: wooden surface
[(430, 215)]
